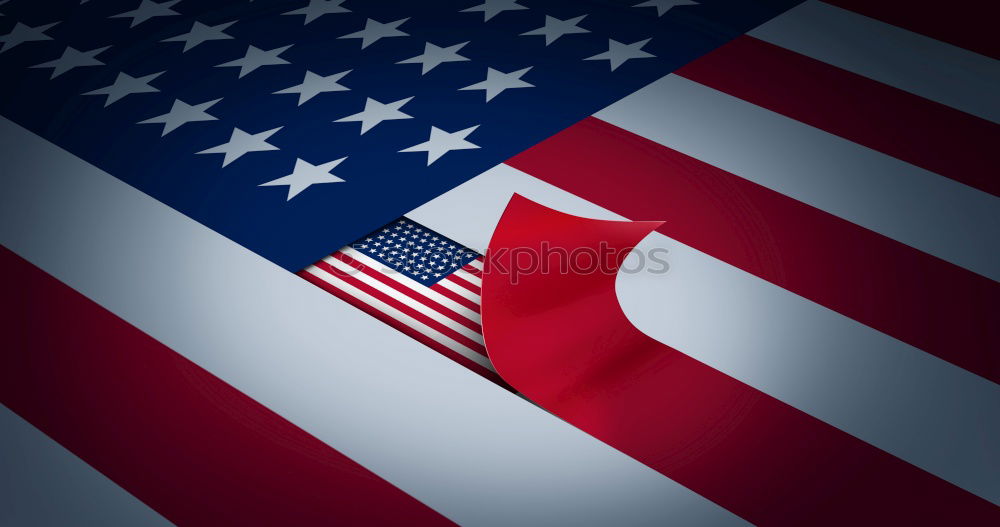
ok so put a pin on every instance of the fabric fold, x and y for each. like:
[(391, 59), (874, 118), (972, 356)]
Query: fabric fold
[(555, 331)]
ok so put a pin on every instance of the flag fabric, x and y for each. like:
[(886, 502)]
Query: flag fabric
[(289, 105), (656, 404), (828, 199)]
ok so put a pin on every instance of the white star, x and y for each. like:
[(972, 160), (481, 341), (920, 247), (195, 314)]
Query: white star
[(375, 112), (618, 53), (182, 113), (241, 143), (22, 33), (148, 9), (318, 8), (441, 142), (305, 175), (314, 85), (201, 33), (492, 8), (555, 28), (256, 58), (375, 30), (72, 58), (662, 6), (125, 85), (433, 56), (497, 81)]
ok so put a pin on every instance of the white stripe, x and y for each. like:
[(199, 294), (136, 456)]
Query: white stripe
[(883, 391), (468, 277), (935, 214), (417, 287), (398, 315), (476, 264), (405, 299), (459, 290), (43, 484), (920, 65), (464, 446)]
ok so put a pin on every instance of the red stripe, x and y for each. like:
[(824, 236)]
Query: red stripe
[(422, 318), (184, 442), (465, 284), (969, 25), (403, 328), (750, 453), (456, 297), (374, 273), (919, 131), (922, 300), (472, 270)]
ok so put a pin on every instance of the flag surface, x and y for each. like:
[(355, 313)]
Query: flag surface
[(180, 176), (417, 96)]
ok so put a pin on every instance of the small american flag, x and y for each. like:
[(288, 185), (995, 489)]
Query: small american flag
[(419, 282)]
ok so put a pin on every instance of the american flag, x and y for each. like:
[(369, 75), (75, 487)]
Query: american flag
[(243, 249), (418, 281)]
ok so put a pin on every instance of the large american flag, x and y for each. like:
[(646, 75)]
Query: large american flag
[(180, 175)]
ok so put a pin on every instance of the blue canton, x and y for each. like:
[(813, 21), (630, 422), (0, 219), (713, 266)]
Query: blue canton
[(415, 251), (295, 126)]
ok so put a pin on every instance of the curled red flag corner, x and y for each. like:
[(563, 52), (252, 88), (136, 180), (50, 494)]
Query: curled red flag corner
[(540, 316), (555, 331)]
